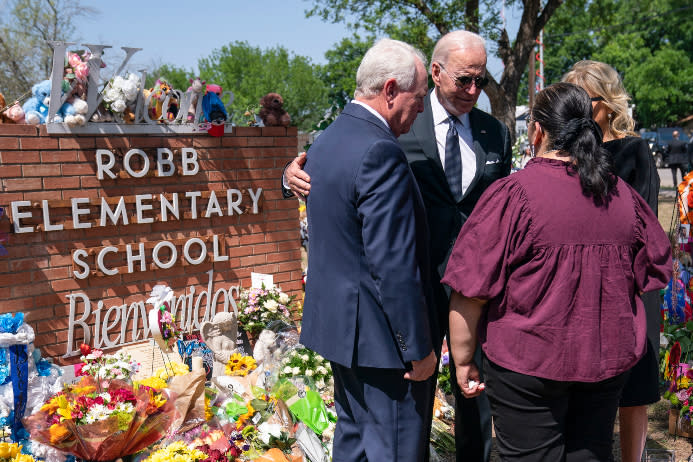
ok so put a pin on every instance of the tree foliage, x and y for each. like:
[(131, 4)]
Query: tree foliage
[(423, 22), (340, 71), (251, 73), (177, 77), (648, 42), (25, 28)]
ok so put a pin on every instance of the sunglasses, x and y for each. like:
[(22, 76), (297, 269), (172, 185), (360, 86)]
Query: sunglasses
[(597, 98), (464, 81)]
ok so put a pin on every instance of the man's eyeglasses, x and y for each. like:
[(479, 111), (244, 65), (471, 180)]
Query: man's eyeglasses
[(597, 98), (464, 81)]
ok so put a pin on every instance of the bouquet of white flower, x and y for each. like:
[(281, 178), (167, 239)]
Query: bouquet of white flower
[(120, 92), (259, 307), (302, 361)]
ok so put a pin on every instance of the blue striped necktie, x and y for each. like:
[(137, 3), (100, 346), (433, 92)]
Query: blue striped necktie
[(453, 161)]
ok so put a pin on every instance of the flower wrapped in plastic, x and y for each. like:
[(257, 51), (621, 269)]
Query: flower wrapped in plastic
[(106, 367), (304, 402), (305, 362), (96, 423)]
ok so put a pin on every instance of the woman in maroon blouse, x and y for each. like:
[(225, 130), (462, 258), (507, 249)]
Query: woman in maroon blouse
[(547, 271)]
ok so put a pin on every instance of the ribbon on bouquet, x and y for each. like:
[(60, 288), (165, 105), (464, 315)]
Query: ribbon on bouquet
[(19, 367)]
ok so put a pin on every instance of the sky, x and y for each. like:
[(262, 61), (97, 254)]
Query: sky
[(180, 33)]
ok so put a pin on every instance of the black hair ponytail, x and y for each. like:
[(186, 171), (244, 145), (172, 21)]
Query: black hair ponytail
[(564, 111)]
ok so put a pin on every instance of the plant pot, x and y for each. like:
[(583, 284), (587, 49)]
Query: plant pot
[(678, 426)]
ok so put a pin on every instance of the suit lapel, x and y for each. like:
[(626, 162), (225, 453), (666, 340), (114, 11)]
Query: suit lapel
[(479, 135), (425, 134)]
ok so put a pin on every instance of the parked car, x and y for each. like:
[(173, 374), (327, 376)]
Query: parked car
[(662, 138)]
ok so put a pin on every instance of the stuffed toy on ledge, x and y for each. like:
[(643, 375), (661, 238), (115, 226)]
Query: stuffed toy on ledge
[(272, 112), (36, 107)]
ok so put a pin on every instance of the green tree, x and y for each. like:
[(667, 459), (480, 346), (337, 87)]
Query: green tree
[(339, 74), (647, 42), (251, 73), (422, 22), (25, 28), (177, 77)]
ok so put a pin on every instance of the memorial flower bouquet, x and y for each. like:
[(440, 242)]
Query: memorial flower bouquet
[(118, 366), (302, 361), (240, 365), (97, 422), (679, 377), (259, 307)]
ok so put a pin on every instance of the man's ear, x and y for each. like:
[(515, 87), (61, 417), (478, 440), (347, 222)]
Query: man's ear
[(391, 89), (435, 72)]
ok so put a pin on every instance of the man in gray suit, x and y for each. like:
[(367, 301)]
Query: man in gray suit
[(455, 151)]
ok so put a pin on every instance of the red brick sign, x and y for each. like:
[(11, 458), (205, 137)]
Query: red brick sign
[(95, 221)]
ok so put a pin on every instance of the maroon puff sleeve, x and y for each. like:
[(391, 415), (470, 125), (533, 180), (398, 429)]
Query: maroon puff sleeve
[(652, 265), (495, 236)]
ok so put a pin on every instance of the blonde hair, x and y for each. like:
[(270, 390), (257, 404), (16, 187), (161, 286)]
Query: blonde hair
[(600, 79)]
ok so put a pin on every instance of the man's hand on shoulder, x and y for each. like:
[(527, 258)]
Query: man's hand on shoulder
[(298, 180), (422, 369)]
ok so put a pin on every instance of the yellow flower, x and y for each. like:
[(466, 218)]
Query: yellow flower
[(175, 368), (24, 458), (243, 418), (51, 406), (684, 382), (152, 382), (157, 399), (83, 390), (175, 452), (208, 409), (240, 365), (8, 450), (64, 408)]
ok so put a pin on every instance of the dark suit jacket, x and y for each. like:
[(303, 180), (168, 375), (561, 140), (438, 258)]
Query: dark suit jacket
[(677, 153), (445, 216), (368, 290)]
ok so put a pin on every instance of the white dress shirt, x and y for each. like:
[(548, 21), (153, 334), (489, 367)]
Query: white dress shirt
[(441, 125), (372, 111)]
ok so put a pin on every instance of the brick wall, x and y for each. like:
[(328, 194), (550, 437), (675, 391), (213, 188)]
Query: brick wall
[(36, 275)]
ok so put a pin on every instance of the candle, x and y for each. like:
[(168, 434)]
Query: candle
[(197, 363)]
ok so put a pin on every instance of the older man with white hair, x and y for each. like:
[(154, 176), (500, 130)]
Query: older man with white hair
[(368, 304)]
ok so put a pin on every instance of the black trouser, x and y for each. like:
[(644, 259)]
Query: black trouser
[(545, 420), (675, 167)]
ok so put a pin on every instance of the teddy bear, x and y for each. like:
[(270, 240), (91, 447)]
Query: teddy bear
[(195, 88), (36, 107), (4, 119), (272, 113), (15, 113)]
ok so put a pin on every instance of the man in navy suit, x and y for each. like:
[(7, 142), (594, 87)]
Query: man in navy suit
[(458, 71), (368, 300)]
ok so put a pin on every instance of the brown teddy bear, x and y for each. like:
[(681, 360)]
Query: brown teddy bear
[(4, 119), (272, 114)]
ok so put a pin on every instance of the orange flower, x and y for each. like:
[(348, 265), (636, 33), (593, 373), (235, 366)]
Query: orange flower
[(58, 433)]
